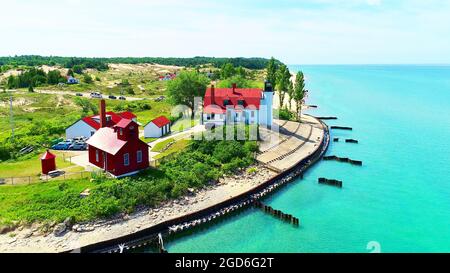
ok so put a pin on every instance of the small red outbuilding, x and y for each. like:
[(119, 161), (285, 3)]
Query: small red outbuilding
[(48, 162)]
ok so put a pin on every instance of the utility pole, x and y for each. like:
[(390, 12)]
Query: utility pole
[(11, 113)]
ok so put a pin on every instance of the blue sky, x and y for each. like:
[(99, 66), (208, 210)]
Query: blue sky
[(294, 31)]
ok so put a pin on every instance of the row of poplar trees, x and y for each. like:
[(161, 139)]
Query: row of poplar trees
[(280, 77)]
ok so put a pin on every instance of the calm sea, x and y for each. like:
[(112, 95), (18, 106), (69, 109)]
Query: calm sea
[(399, 200)]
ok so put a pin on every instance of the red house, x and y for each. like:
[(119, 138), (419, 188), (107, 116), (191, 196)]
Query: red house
[(118, 149)]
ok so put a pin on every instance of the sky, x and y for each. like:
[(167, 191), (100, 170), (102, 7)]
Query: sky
[(294, 31)]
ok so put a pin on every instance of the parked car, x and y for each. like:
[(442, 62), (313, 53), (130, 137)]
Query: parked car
[(122, 98), (80, 138), (78, 146), (56, 173), (96, 95), (160, 98), (63, 145), (112, 97), (79, 94)]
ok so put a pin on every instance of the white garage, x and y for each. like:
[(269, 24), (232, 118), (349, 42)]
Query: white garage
[(158, 127)]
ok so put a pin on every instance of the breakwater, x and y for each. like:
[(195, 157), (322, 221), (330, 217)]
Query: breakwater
[(278, 214), (341, 128), (331, 182), (343, 159)]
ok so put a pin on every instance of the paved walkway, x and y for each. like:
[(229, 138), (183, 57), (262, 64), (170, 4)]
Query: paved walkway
[(289, 142)]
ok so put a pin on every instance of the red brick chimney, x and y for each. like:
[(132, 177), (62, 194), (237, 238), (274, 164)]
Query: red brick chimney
[(234, 87), (212, 94), (102, 113)]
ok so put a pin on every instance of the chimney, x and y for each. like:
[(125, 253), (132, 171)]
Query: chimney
[(212, 94), (234, 87), (102, 114)]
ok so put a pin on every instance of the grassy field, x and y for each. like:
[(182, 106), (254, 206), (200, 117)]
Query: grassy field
[(32, 166)]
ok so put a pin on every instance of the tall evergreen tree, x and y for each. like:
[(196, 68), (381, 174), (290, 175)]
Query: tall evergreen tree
[(299, 93), (283, 78), (271, 70)]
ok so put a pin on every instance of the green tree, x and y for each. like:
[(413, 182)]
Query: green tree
[(87, 78), (78, 69), (283, 78), (185, 87), (271, 71), (70, 73), (290, 92), (227, 71), (54, 77), (299, 93), (240, 71), (31, 89)]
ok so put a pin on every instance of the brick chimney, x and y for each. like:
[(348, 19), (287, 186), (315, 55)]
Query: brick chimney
[(213, 94), (102, 113), (234, 87)]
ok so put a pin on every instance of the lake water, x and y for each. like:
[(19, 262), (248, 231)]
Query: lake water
[(399, 199)]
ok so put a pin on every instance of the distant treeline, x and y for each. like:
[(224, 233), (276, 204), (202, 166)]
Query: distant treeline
[(101, 63)]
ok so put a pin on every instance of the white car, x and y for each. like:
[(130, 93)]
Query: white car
[(96, 95)]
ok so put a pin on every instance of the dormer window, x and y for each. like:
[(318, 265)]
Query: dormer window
[(241, 102), (226, 102), (108, 118)]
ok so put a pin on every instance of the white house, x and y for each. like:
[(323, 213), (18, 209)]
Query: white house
[(158, 127), (72, 80), (87, 126), (223, 106)]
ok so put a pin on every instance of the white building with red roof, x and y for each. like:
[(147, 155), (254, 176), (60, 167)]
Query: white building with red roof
[(87, 126), (158, 127), (222, 106)]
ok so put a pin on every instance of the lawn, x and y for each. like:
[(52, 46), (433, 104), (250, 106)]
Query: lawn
[(32, 166), (176, 147), (161, 145)]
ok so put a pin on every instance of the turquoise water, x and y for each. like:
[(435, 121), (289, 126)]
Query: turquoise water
[(400, 198)]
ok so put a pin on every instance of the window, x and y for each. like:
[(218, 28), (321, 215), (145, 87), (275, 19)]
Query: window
[(92, 133), (139, 156), (252, 114), (97, 156), (126, 159), (240, 102), (121, 131), (213, 116)]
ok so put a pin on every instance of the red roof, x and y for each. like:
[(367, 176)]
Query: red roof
[(115, 118), (48, 155), (124, 123), (127, 115), (161, 121), (251, 98), (106, 140)]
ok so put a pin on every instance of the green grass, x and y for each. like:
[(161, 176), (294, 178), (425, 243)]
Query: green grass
[(178, 146), (161, 145), (183, 124), (32, 166)]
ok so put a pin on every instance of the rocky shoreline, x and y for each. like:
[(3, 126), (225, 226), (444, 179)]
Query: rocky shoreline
[(67, 236)]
